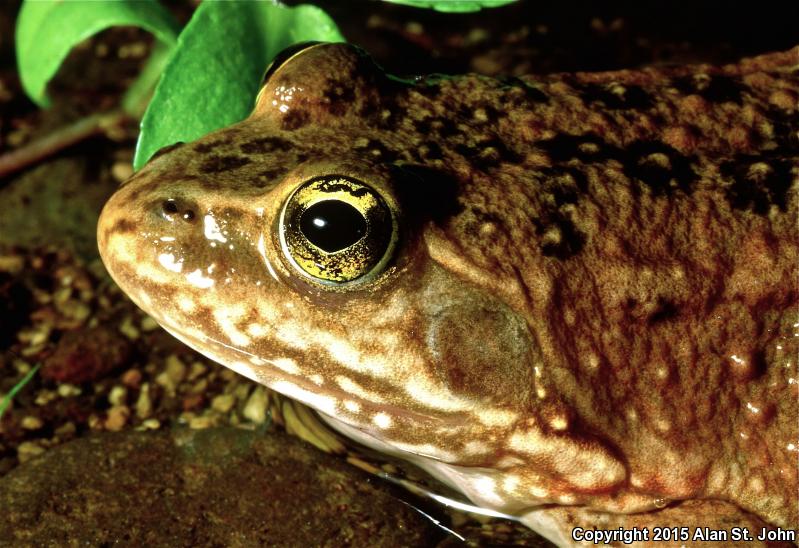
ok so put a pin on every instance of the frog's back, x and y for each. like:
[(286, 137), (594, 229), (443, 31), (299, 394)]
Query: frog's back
[(646, 222)]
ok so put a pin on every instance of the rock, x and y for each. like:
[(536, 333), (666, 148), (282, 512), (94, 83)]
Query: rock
[(86, 355), (222, 486)]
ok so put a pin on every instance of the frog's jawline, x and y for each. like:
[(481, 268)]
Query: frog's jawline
[(301, 382)]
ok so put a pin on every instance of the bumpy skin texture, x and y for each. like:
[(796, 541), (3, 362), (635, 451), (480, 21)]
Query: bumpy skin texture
[(593, 308)]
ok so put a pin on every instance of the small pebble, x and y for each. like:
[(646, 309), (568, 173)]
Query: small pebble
[(75, 310), (200, 387), (12, 264), (117, 395), (151, 424), (148, 324), (201, 423), (66, 429), (144, 405), (117, 418), (175, 368), (196, 370), (16, 138), (223, 403), (62, 295), (128, 329), (67, 390), (121, 171), (27, 450), (242, 391), (255, 408), (228, 374), (21, 366), (174, 372), (35, 336), (136, 50), (43, 397), (193, 401), (131, 378), (31, 423)]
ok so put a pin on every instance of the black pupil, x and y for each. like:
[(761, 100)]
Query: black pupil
[(332, 225)]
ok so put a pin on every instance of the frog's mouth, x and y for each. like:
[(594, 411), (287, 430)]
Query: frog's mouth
[(376, 420)]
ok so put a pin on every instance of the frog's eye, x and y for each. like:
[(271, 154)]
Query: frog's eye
[(336, 229)]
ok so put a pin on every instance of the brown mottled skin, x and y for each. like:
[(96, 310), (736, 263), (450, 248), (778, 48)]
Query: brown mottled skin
[(592, 315)]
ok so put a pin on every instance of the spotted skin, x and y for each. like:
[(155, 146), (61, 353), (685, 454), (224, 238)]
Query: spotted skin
[(590, 318)]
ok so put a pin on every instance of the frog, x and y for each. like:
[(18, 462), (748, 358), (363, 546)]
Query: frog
[(573, 298)]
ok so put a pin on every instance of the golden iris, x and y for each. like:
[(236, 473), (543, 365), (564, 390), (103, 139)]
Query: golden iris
[(336, 229)]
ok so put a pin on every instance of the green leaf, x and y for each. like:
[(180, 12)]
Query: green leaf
[(47, 30), (453, 6), (215, 71)]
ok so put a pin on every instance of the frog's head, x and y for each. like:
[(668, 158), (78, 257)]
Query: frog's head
[(325, 271)]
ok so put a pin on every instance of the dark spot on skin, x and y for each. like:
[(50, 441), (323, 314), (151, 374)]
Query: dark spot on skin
[(210, 146), (164, 150), (564, 184), (665, 310), (430, 86), (559, 186), (264, 145), (481, 216), (586, 148), (142, 189), (491, 114), (340, 96), (569, 241), (448, 128), (384, 122), (430, 151), (368, 110), (426, 126), (135, 177), (786, 129), (376, 150), (716, 89), (758, 363), (427, 193), (756, 183), (488, 153), (267, 178), (122, 226), (616, 96), (295, 119), (659, 167), (218, 164), (531, 93)]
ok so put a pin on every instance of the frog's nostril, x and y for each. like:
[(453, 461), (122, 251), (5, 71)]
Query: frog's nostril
[(171, 208)]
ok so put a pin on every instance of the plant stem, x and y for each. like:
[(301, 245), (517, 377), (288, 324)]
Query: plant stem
[(59, 140), (6, 401)]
